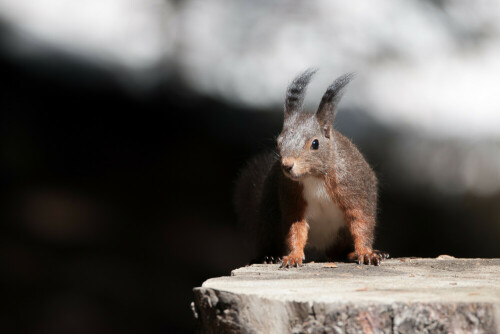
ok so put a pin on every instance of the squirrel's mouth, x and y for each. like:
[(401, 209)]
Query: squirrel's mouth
[(293, 176)]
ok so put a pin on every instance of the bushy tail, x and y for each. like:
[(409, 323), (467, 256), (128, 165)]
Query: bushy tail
[(249, 190)]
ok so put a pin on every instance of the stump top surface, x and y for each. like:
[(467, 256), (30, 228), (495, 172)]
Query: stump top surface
[(395, 280)]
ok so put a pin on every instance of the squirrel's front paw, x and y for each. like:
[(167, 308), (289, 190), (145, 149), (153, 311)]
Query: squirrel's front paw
[(369, 257), (293, 259)]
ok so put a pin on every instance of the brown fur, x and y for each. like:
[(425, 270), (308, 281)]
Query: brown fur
[(356, 195), (279, 201)]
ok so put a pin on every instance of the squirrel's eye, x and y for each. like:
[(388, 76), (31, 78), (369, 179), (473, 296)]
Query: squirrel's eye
[(315, 144)]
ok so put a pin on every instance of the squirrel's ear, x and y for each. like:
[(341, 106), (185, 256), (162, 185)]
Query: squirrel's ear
[(296, 91), (329, 101)]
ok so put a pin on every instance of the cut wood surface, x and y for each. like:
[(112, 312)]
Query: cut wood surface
[(403, 295)]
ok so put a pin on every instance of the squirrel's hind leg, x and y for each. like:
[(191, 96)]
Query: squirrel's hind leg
[(266, 260)]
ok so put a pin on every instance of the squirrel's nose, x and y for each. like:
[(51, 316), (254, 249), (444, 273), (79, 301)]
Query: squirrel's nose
[(287, 166)]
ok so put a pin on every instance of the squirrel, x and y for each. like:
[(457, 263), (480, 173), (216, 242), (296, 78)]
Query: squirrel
[(316, 192)]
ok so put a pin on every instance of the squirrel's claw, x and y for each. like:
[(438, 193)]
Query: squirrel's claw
[(374, 257), (384, 254), (291, 261)]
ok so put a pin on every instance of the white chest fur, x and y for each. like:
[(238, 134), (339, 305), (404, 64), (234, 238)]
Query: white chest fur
[(322, 215)]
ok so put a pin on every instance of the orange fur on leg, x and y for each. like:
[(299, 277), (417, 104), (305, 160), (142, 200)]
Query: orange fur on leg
[(293, 206), (296, 241)]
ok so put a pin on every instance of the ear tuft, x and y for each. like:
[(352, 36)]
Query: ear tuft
[(331, 98), (296, 91)]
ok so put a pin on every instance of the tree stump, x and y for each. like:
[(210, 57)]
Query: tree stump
[(404, 295)]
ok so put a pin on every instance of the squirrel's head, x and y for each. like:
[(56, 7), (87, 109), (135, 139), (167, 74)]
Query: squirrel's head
[(306, 142)]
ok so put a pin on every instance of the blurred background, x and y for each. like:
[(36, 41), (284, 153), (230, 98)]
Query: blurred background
[(124, 123)]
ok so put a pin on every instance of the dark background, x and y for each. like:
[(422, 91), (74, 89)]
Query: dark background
[(116, 202)]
